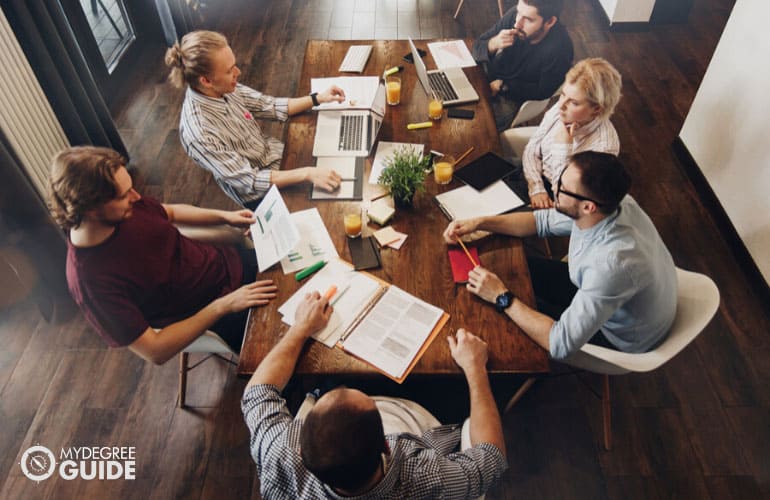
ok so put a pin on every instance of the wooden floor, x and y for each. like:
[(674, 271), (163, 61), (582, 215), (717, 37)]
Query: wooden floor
[(697, 428)]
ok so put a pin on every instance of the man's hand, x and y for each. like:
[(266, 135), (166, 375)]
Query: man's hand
[(240, 218), (485, 284), (313, 313), (504, 39), (458, 228), (565, 132), (495, 86), (258, 293), (332, 94), (540, 200), (328, 180), (469, 351)]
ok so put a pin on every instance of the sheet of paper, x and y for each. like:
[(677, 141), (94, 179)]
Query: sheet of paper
[(274, 234), (315, 243), (359, 91), (451, 54), (354, 291), (391, 335), (465, 202), (386, 235), (346, 191), (385, 151), (343, 165), (396, 245)]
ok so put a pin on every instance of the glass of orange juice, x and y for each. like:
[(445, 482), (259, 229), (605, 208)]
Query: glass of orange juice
[(352, 221), (443, 168), (393, 86), (435, 107)]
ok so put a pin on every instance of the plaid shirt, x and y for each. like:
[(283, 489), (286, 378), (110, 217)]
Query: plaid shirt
[(417, 467), (224, 137), (544, 158)]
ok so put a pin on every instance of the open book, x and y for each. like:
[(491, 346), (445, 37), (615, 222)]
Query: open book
[(378, 323)]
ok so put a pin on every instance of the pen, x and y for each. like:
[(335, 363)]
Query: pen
[(382, 195), (394, 69), (330, 292), (462, 156), (309, 270), (437, 153), (465, 249), (415, 126)]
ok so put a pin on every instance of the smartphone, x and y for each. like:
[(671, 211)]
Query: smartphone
[(465, 114), (408, 58)]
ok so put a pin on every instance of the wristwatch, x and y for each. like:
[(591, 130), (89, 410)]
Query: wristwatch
[(503, 301), (314, 97)]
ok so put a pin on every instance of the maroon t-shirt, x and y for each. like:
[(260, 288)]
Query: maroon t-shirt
[(147, 274)]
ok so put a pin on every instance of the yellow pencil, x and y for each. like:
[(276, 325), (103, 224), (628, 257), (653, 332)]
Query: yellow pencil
[(465, 249), (462, 156)]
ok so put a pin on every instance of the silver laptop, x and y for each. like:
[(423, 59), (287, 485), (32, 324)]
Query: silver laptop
[(450, 84), (349, 132)]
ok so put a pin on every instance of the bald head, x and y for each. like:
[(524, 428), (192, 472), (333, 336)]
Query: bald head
[(342, 439)]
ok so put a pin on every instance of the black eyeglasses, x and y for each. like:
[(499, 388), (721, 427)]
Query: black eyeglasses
[(580, 197)]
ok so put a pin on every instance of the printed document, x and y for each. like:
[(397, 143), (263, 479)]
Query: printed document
[(274, 233), (451, 54), (360, 91), (315, 243)]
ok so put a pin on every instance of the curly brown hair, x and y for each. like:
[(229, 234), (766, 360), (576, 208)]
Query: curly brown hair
[(82, 179)]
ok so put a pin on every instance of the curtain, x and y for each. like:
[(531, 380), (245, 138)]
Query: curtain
[(49, 44)]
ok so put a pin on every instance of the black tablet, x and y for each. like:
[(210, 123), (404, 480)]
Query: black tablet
[(484, 170)]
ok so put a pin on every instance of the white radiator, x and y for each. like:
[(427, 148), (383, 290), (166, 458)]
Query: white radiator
[(26, 118)]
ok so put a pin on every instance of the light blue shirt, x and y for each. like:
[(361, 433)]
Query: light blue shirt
[(625, 277)]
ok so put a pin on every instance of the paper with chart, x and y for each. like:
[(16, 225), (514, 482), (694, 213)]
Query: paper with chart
[(384, 152), (274, 233), (393, 332), (360, 91), (315, 243), (354, 291), (451, 54)]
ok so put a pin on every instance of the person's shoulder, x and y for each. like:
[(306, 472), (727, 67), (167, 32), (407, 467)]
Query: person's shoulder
[(558, 39)]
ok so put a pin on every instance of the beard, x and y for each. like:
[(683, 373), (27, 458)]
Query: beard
[(527, 38), (570, 212)]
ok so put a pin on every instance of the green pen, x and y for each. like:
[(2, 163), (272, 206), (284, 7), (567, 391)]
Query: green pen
[(309, 270)]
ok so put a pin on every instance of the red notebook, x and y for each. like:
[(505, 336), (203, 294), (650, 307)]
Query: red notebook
[(461, 264)]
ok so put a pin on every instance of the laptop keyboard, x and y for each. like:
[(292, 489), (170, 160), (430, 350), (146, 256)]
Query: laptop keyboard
[(351, 129), (440, 85)]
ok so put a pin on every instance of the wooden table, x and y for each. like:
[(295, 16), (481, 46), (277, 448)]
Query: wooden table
[(421, 266)]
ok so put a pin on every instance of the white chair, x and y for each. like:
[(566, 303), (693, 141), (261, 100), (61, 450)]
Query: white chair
[(529, 110), (514, 140), (209, 343), (460, 4), (697, 302)]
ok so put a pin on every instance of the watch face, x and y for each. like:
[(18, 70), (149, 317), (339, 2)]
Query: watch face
[(503, 301)]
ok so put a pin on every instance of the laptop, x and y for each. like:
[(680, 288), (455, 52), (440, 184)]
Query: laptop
[(349, 132), (450, 84)]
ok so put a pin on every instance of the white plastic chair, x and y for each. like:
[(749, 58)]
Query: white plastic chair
[(209, 343), (697, 302), (460, 4), (514, 140), (529, 110)]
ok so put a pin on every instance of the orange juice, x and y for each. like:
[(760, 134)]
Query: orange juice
[(435, 109), (442, 170), (353, 224), (393, 86)]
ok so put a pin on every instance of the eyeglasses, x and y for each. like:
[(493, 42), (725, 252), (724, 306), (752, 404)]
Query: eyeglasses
[(580, 197)]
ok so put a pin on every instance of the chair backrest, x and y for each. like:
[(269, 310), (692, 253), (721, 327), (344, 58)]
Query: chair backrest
[(529, 110), (697, 302), (209, 342)]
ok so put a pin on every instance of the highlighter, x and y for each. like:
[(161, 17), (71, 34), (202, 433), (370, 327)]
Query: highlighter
[(309, 270), (415, 126)]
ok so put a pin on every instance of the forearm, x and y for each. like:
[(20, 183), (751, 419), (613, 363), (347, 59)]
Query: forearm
[(485, 425), (277, 367), (188, 214), (160, 346), (516, 224), (282, 178), (534, 323), (300, 104)]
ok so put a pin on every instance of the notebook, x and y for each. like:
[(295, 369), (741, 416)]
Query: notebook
[(349, 132), (450, 84), (461, 264)]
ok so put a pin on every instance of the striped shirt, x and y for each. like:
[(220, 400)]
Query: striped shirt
[(545, 158), (223, 136), (416, 467)]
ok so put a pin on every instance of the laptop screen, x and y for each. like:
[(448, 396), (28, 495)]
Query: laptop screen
[(419, 64)]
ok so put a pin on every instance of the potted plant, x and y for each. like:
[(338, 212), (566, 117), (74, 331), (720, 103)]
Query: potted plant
[(404, 175)]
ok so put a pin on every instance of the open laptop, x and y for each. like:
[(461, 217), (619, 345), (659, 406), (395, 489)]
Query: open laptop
[(450, 84), (349, 132)]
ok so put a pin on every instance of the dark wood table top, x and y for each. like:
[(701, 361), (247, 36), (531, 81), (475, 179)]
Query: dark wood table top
[(421, 266)]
